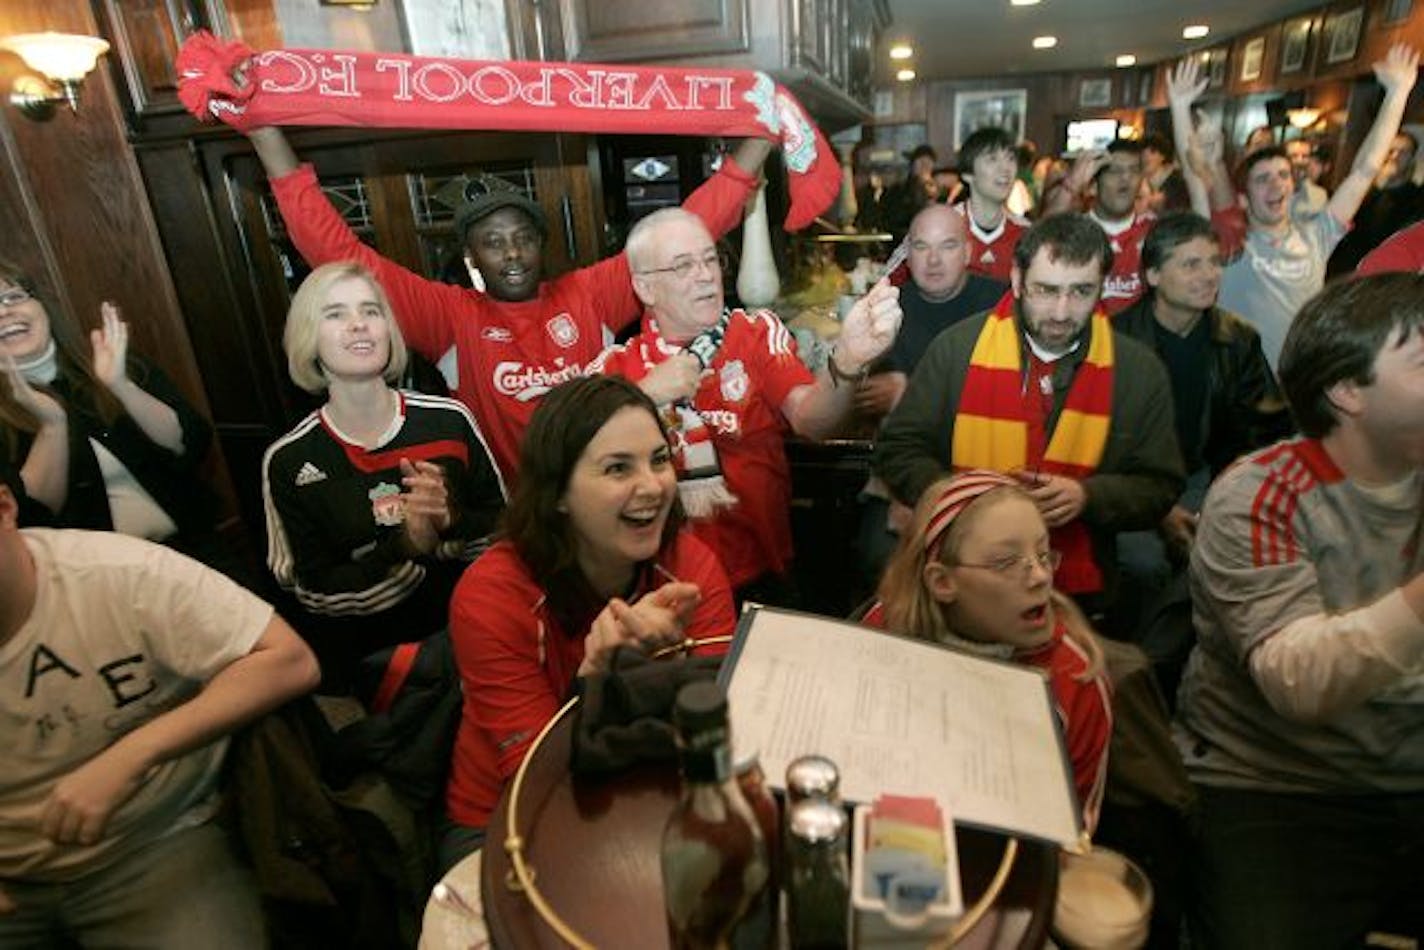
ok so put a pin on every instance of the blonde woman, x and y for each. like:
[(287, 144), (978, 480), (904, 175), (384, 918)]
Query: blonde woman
[(974, 572), (376, 501)]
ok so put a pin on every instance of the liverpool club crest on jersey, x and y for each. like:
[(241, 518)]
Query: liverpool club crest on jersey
[(387, 505), (734, 382), (563, 330)]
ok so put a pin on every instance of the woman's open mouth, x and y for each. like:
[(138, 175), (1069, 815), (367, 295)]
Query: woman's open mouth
[(1036, 615)]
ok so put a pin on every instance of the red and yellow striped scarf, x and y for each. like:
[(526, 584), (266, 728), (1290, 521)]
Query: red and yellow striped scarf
[(991, 426)]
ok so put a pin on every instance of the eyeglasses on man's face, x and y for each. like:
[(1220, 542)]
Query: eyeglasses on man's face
[(1075, 293), (1022, 564), (684, 266)]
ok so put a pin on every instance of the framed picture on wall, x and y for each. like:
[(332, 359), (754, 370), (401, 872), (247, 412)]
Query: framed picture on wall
[(1252, 58), (1295, 44), (1095, 93), (1397, 11), (1342, 33), (1144, 87), (1213, 65), (1002, 108)]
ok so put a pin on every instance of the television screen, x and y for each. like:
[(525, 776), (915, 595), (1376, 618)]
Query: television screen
[(1088, 134)]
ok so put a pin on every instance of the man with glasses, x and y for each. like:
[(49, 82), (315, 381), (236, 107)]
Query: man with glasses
[(523, 335), (1042, 388), (731, 383)]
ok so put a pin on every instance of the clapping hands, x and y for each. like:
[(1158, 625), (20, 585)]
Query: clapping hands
[(427, 504), (44, 407), (110, 344), (655, 620)]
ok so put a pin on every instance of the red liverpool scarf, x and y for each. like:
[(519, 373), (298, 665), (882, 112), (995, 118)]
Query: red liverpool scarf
[(991, 426), (392, 90)]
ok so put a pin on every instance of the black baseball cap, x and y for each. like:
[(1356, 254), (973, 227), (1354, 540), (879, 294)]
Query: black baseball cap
[(481, 206)]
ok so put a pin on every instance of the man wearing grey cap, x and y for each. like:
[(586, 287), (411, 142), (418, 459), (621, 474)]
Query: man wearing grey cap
[(523, 335)]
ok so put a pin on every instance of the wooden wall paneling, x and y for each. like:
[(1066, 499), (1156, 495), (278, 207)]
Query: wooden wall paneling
[(599, 31), (255, 22), (84, 203), (94, 210), (224, 325), (145, 36), (807, 41), (222, 313), (1270, 62), (27, 246)]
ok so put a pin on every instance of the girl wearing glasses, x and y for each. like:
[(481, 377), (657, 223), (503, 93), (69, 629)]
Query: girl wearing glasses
[(592, 558), (974, 572), (101, 438)]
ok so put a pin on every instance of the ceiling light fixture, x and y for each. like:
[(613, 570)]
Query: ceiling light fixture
[(1023, 3), (1195, 32), (905, 75), (1303, 118), (1126, 59), (902, 51), (63, 59), (1045, 42)]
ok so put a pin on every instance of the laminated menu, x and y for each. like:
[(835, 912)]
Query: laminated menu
[(902, 716)]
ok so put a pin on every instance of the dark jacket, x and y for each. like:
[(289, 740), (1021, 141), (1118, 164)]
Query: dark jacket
[(173, 480), (1135, 484), (1244, 409)]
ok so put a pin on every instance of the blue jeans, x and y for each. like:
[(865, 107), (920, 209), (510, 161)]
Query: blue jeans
[(1297, 872), (183, 891)]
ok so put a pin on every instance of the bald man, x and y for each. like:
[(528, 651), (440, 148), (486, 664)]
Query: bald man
[(940, 292)]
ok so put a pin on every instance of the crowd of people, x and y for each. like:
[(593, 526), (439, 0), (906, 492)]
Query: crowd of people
[(1132, 395)]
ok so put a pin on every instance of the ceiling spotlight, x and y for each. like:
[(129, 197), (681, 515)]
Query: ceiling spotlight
[(1196, 31), (1023, 3), (901, 51), (905, 75), (1045, 42), (1126, 59)]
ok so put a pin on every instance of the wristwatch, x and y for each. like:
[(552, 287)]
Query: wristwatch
[(839, 376)]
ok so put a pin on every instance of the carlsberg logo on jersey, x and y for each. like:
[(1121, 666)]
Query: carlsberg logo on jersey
[(522, 382)]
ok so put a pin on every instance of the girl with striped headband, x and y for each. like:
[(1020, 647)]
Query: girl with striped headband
[(974, 572)]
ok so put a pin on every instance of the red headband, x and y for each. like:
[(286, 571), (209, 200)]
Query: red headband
[(961, 490)]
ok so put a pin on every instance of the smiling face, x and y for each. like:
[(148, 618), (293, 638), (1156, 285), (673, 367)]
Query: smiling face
[(1298, 151), (1056, 298), (987, 593), (619, 495), (939, 252), (508, 250), (994, 173), (24, 323), (1269, 187), (353, 338), (685, 303), (1190, 276)]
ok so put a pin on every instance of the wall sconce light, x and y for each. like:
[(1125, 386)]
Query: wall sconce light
[(1303, 118), (63, 59)]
